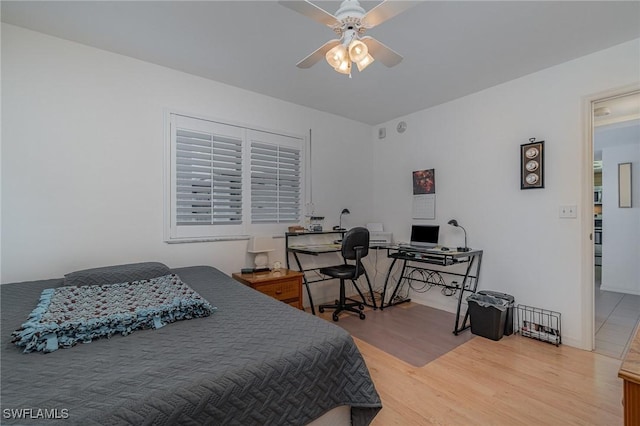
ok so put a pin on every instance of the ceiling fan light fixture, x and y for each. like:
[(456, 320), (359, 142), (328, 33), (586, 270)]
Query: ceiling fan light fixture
[(350, 23), (358, 51), (365, 62), (344, 67), (337, 55)]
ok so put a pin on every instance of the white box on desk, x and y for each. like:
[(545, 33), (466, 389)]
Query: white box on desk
[(376, 238)]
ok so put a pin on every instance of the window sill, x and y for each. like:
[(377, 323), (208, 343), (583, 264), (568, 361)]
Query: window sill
[(207, 239)]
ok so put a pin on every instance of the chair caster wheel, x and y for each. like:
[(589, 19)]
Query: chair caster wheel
[(361, 307), (335, 317), (321, 310), (362, 316)]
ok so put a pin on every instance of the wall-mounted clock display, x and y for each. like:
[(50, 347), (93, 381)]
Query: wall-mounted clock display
[(532, 164), (532, 152), (531, 178)]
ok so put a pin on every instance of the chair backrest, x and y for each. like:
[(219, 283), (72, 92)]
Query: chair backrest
[(355, 237)]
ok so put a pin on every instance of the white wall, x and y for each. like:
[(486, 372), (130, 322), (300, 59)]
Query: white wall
[(473, 144), (621, 226), (71, 200), (82, 157)]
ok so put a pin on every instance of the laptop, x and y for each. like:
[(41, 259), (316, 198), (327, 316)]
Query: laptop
[(423, 237)]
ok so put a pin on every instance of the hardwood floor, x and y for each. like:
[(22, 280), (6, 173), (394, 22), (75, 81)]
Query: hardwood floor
[(514, 381)]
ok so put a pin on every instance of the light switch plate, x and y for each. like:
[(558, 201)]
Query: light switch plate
[(568, 211)]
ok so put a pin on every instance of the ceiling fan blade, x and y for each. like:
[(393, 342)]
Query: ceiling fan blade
[(384, 11), (312, 11), (381, 53), (320, 53)]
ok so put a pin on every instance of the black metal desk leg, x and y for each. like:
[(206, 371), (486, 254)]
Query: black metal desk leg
[(475, 287), (364, 300), (457, 329), (355, 285), (478, 270), (286, 245), (395, 290), (386, 280), (306, 283), (373, 297)]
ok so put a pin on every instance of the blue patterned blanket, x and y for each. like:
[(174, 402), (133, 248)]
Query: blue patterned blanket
[(68, 315)]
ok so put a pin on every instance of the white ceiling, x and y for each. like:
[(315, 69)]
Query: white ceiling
[(450, 48)]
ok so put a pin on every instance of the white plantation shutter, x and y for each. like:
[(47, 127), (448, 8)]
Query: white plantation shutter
[(209, 179), (225, 181), (205, 179), (275, 183)]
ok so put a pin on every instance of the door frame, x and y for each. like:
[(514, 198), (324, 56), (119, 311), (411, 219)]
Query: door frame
[(587, 229)]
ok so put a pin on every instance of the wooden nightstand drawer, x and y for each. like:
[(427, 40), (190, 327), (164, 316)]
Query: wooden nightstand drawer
[(283, 290), (284, 285)]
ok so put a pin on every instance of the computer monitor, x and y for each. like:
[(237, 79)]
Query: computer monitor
[(424, 235)]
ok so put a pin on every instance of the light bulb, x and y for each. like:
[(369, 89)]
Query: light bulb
[(358, 51), (336, 55), (344, 67)]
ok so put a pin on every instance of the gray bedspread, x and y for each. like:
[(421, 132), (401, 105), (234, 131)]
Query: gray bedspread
[(255, 361)]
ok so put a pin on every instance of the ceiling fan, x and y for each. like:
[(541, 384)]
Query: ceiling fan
[(350, 23)]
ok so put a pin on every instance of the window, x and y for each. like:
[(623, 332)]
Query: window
[(228, 181), (208, 178), (275, 179)]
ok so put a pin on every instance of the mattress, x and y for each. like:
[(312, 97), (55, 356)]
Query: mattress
[(255, 361)]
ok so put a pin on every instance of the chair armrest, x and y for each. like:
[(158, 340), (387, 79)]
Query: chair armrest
[(358, 250)]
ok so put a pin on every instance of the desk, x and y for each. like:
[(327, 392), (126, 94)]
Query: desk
[(316, 250), (444, 259)]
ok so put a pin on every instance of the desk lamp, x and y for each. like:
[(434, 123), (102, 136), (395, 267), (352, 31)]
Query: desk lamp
[(344, 211), (261, 246), (454, 222)]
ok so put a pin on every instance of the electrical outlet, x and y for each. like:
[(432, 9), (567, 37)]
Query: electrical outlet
[(568, 211)]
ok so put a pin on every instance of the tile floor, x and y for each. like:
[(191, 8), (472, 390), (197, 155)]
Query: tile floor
[(616, 317)]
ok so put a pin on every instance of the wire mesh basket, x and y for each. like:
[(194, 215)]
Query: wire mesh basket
[(539, 324)]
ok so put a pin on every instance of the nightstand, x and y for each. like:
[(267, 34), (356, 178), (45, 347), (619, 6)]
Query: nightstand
[(284, 284)]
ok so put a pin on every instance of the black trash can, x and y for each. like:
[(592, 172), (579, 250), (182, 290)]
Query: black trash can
[(508, 322), (488, 315)]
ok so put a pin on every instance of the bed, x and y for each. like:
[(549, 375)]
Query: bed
[(254, 361)]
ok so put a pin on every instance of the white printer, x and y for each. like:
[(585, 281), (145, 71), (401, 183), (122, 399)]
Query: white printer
[(377, 236)]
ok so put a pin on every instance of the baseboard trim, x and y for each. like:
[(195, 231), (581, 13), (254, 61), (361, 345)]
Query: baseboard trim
[(619, 290)]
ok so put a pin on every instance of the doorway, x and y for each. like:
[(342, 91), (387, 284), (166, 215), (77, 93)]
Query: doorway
[(616, 236)]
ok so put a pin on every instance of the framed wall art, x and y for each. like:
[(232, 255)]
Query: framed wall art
[(624, 185), (424, 194), (532, 164)]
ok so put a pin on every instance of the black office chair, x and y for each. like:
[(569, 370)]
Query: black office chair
[(355, 246)]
